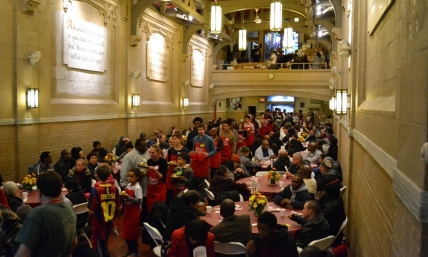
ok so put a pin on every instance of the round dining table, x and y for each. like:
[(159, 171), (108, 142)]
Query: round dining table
[(215, 218), (33, 197), (264, 185)]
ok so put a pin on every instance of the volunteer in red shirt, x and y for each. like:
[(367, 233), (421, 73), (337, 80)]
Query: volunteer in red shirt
[(229, 141), (215, 160), (204, 146)]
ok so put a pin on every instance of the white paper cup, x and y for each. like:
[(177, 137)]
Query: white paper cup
[(209, 209), (24, 195), (284, 177), (281, 184), (282, 212)]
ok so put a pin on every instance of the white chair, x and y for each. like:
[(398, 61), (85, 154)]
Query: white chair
[(232, 248), (156, 236), (241, 198), (342, 226), (210, 194), (261, 173), (323, 243), (342, 190), (207, 183), (93, 183), (80, 209)]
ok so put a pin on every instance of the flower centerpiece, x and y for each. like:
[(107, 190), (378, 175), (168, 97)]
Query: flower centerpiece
[(257, 203), (29, 182), (110, 158), (273, 176)]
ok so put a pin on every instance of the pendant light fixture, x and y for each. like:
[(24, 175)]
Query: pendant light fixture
[(216, 18), (276, 15), (242, 38)]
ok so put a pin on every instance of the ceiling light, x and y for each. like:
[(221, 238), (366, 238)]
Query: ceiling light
[(296, 19), (216, 18), (242, 39), (190, 18), (276, 15)]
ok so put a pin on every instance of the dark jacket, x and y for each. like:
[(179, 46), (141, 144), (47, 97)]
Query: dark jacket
[(179, 214), (189, 143), (14, 202), (233, 229), (92, 169), (157, 219), (62, 167), (314, 229), (281, 163), (85, 181), (120, 146), (221, 184), (102, 153), (332, 152), (328, 177), (279, 246), (301, 197), (78, 197), (334, 212), (293, 169)]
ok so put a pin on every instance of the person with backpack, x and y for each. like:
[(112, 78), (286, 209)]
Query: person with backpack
[(43, 165)]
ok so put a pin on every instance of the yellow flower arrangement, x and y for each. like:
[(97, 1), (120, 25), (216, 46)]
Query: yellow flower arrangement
[(301, 139), (29, 181), (273, 175), (110, 158), (257, 203)]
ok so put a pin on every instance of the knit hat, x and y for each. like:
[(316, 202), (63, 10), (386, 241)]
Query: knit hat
[(72, 184), (235, 158), (327, 164)]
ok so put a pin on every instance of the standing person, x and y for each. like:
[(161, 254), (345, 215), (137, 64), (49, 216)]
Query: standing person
[(229, 141), (103, 203), (204, 145), (183, 171), (242, 136), (171, 157), (215, 160), (133, 196), (249, 128), (43, 165), (158, 168), (63, 165), (49, 229), (192, 134)]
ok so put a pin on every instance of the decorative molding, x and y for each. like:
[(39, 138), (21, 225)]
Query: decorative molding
[(28, 6), (157, 103), (82, 101), (108, 9)]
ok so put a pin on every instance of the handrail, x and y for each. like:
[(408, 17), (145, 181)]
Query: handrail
[(279, 66)]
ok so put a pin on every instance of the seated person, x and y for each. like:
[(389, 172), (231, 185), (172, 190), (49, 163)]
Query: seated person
[(264, 153), (187, 239), (221, 183), (10, 188), (43, 165), (272, 240), (295, 165), (92, 158), (333, 210), (238, 169), (129, 147), (313, 154), (23, 211), (311, 184), (311, 136), (328, 174), (313, 251), (282, 161), (82, 174), (244, 153), (10, 225), (99, 150), (314, 225), (295, 194), (76, 196), (182, 209), (232, 228)]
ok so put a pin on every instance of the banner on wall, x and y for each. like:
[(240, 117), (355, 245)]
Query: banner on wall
[(157, 58), (197, 69), (85, 45)]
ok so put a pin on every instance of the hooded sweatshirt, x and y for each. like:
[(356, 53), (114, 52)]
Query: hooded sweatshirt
[(280, 245)]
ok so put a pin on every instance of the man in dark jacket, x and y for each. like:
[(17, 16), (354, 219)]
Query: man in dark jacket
[(333, 210), (295, 194), (192, 134), (283, 161), (296, 164), (181, 211), (121, 145), (64, 164), (272, 240), (328, 174), (221, 183), (99, 150), (314, 225)]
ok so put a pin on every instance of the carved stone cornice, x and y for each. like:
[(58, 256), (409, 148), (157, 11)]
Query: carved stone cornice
[(28, 6)]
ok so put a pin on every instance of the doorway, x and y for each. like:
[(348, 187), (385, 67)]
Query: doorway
[(252, 110)]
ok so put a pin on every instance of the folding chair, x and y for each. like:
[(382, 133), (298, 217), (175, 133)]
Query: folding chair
[(342, 190), (232, 248), (323, 243), (241, 198), (80, 209), (342, 226), (210, 194), (261, 173), (156, 236)]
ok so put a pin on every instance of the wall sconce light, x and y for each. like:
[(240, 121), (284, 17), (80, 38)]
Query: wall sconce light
[(332, 105), (341, 101), (212, 86), (135, 100), (34, 57), (33, 98), (186, 82), (216, 18), (276, 15), (185, 101)]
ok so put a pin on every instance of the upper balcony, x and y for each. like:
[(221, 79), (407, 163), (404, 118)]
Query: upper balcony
[(256, 79)]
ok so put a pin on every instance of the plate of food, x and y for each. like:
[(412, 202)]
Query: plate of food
[(176, 176), (172, 163), (143, 164)]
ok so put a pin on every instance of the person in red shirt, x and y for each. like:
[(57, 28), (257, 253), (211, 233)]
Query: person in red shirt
[(158, 169), (192, 240), (215, 160), (249, 128), (229, 141)]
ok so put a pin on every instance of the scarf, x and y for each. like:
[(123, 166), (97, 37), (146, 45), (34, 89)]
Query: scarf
[(294, 192)]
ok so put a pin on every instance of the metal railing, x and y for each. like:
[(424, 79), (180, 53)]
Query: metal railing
[(268, 66)]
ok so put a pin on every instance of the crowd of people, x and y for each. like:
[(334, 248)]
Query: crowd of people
[(164, 179)]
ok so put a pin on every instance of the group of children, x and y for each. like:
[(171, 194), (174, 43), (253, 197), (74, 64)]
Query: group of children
[(105, 201)]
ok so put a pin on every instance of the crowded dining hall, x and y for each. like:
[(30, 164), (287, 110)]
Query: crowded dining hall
[(189, 128)]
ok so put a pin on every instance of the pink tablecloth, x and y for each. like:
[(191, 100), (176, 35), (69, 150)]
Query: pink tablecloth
[(264, 185), (33, 197)]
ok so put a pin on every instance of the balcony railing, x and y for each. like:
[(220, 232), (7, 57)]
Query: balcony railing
[(268, 66)]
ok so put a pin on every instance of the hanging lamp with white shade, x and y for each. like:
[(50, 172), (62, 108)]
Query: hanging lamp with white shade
[(288, 38), (216, 18), (276, 15), (242, 38)]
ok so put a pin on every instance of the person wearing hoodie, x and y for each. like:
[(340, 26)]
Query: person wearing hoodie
[(314, 225), (82, 174), (182, 209), (272, 240), (121, 145), (295, 194)]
